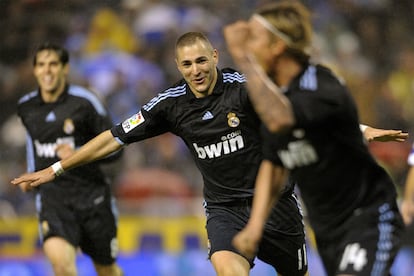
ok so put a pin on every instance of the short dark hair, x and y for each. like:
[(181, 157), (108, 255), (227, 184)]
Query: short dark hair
[(190, 38), (59, 50)]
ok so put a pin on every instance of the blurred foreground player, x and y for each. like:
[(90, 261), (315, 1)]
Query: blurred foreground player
[(312, 131)]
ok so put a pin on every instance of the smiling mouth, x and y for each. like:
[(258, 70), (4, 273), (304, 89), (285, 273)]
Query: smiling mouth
[(199, 80), (47, 79)]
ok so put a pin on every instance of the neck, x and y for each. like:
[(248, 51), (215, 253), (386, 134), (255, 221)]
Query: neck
[(213, 84), (51, 96)]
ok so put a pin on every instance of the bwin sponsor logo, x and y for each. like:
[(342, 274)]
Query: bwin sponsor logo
[(230, 143), (298, 154), (49, 149)]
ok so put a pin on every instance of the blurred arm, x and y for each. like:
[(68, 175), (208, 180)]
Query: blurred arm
[(269, 183), (273, 108)]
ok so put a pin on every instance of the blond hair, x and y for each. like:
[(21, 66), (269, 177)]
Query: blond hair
[(293, 20)]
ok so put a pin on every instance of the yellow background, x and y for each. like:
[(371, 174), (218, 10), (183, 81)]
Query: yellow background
[(19, 237)]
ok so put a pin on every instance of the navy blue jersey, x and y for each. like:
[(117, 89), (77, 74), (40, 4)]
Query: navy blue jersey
[(75, 118), (222, 132), (326, 152)]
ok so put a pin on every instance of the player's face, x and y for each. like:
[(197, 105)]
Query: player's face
[(197, 63), (50, 73), (261, 43)]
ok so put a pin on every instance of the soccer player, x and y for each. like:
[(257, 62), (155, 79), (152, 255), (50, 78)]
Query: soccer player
[(312, 131), (76, 209), (210, 110)]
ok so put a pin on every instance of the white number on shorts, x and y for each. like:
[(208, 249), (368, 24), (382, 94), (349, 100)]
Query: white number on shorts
[(354, 255)]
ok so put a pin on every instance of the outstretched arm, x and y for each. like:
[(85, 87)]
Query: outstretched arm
[(95, 149), (269, 183), (383, 135)]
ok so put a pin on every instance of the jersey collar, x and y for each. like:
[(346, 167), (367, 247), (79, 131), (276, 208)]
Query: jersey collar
[(296, 80), (218, 88), (60, 98)]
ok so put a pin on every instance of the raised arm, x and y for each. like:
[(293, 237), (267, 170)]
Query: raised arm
[(271, 105), (95, 149), (269, 184)]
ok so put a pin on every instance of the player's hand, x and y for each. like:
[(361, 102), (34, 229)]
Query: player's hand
[(25, 187), (34, 179), (407, 211), (236, 36), (384, 135), (247, 242)]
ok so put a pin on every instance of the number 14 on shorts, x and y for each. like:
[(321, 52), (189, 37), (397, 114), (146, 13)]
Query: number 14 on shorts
[(353, 255)]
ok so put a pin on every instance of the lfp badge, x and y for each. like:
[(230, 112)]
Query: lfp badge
[(132, 122)]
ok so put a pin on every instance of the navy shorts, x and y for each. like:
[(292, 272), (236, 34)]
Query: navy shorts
[(92, 229), (370, 241), (283, 242)]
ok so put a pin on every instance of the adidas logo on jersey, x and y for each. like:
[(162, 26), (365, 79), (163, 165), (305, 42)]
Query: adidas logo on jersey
[(207, 116), (51, 117)]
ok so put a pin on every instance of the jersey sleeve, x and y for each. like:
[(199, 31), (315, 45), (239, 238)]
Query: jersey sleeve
[(140, 126), (96, 115), (100, 121)]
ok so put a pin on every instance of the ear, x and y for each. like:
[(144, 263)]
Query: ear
[(215, 56), (66, 68), (278, 47)]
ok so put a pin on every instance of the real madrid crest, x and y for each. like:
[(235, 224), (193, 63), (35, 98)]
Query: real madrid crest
[(232, 119), (68, 126)]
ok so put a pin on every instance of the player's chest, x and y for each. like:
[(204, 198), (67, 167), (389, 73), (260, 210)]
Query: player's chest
[(212, 121), (51, 120)]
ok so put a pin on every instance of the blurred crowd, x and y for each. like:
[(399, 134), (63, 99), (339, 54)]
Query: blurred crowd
[(123, 50)]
